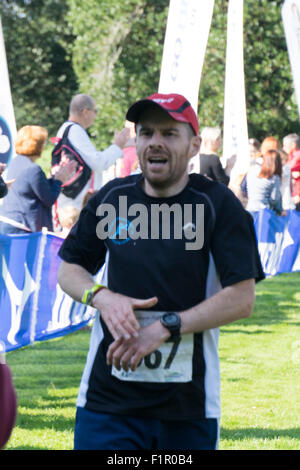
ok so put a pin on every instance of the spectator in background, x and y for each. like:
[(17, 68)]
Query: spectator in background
[(68, 217), (254, 149), (210, 164), (27, 206), (88, 195), (269, 143), (291, 145), (129, 162), (3, 186), (8, 402), (255, 154), (286, 183), (264, 189), (82, 114), (255, 166)]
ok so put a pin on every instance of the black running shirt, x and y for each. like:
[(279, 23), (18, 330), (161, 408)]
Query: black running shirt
[(181, 380)]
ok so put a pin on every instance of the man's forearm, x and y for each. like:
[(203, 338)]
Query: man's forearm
[(74, 280), (228, 305)]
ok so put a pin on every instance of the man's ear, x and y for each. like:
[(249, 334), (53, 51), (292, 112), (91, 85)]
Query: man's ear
[(195, 145)]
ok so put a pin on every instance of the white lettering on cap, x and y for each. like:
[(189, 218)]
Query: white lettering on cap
[(162, 100)]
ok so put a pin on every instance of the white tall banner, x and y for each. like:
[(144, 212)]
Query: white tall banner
[(7, 116), (186, 38), (291, 22), (235, 130)]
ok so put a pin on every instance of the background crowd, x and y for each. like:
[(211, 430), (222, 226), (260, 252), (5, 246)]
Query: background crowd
[(273, 178), (32, 200)]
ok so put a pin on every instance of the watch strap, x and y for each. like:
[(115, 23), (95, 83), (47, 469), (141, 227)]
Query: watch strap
[(173, 327)]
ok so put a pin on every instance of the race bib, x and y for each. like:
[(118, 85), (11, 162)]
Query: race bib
[(172, 362)]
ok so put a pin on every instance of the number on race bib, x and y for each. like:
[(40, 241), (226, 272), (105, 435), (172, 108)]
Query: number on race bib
[(173, 352), (154, 359), (171, 362)]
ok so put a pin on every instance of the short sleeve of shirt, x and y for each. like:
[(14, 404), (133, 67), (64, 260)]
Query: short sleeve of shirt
[(234, 244), (82, 246)]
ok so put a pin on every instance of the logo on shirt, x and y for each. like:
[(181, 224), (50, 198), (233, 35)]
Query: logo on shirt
[(6, 146), (159, 222), (119, 231)]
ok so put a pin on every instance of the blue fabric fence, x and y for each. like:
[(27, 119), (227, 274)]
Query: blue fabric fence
[(33, 307), (278, 241)]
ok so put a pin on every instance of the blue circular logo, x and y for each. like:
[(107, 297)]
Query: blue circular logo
[(119, 229), (6, 144)]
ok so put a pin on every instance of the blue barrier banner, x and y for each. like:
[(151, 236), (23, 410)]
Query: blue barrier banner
[(32, 305), (34, 308), (290, 259), (278, 241)]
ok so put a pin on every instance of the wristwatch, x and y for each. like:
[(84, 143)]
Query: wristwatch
[(88, 294), (171, 321)]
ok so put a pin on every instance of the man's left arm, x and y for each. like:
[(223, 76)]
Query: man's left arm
[(230, 304), (234, 249)]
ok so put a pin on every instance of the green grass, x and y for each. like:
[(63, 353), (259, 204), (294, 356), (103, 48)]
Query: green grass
[(260, 366), (46, 378)]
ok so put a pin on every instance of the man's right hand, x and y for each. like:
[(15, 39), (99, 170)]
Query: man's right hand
[(65, 171), (122, 137), (117, 311)]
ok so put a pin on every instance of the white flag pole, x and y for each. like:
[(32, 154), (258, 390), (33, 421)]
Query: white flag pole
[(291, 22), (185, 43), (184, 50), (8, 128), (235, 130), (40, 259)]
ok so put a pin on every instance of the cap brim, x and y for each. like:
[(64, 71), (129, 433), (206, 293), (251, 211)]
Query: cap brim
[(134, 112)]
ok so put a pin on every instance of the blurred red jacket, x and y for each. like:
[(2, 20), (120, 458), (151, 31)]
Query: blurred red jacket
[(294, 164)]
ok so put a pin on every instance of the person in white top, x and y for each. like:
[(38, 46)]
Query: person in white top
[(82, 115), (286, 183)]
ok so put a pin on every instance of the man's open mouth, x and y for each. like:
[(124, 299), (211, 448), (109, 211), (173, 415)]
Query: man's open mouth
[(157, 160)]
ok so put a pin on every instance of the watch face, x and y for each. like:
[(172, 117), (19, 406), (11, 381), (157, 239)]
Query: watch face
[(89, 298), (171, 318)]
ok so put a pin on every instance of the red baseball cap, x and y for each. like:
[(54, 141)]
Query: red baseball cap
[(177, 106)]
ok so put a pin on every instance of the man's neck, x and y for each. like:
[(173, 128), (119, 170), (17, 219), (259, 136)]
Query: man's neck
[(165, 192), (207, 152), (76, 119), (207, 149)]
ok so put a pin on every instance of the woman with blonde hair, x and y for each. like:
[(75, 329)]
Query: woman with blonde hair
[(27, 206)]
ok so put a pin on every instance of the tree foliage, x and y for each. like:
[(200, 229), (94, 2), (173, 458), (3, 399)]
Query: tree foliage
[(41, 73), (116, 50), (271, 106), (117, 54)]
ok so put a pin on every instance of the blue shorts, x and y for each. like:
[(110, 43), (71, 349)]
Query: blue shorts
[(103, 431)]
